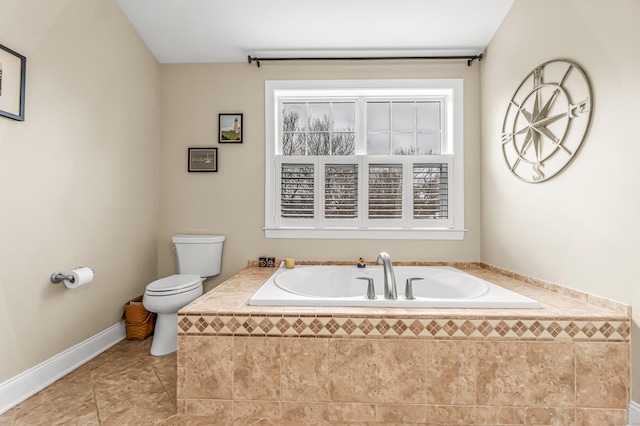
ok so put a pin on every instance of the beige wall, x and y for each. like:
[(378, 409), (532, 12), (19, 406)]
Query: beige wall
[(580, 229), (78, 178), (231, 202)]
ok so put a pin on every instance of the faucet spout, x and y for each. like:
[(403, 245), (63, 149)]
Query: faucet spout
[(390, 291)]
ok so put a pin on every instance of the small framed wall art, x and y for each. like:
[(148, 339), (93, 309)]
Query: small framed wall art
[(203, 159), (230, 128), (12, 78)]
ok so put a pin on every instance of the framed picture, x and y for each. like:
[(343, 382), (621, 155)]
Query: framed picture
[(203, 159), (12, 77), (230, 128)]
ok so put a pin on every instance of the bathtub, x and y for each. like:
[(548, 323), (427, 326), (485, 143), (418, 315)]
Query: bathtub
[(338, 285)]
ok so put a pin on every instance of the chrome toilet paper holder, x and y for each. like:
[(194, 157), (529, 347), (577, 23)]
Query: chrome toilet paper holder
[(58, 277)]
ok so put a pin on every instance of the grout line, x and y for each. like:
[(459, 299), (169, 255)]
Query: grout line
[(93, 390), (95, 402), (172, 399)]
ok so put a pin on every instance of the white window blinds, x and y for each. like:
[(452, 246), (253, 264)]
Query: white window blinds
[(430, 191), (385, 191), (297, 191), (341, 191)]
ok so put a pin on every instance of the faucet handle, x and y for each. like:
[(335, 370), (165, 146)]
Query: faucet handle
[(408, 289), (371, 291)]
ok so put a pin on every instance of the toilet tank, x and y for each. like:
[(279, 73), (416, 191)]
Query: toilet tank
[(199, 254)]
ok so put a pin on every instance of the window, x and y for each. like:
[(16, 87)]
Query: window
[(364, 159)]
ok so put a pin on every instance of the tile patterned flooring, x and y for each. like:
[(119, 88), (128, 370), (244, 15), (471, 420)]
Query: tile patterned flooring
[(124, 385)]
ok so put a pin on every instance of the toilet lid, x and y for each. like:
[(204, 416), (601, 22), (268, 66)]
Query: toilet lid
[(174, 282)]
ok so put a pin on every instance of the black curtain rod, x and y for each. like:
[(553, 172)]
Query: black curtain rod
[(469, 59)]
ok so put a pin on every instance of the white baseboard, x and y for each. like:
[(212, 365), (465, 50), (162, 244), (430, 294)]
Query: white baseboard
[(26, 384), (634, 413)]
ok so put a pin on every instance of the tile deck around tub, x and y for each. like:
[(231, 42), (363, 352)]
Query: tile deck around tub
[(224, 312)]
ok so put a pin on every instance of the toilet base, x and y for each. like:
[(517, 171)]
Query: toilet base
[(167, 305), (165, 338)]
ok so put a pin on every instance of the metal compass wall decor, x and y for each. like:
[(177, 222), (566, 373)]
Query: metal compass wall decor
[(547, 120)]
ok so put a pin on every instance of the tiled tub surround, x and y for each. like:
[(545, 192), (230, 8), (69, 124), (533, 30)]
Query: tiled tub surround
[(565, 363)]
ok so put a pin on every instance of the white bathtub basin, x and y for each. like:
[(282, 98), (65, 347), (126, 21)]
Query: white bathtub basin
[(340, 281), (443, 287)]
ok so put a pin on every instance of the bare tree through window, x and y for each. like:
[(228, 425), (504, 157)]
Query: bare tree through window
[(307, 134)]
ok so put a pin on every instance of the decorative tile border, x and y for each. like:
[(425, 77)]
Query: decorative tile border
[(421, 328)]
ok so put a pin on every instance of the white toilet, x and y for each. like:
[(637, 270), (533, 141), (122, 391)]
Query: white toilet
[(198, 258)]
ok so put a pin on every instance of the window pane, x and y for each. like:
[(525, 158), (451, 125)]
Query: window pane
[(378, 116), (402, 113), (319, 117), (293, 144), (294, 117), (402, 144), (343, 143), (344, 116), (385, 191), (318, 144), (428, 143), (297, 191), (378, 144), (428, 116), (341, 191), (430, 194)]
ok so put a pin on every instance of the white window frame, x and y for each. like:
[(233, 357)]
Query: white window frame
[(451, 90)]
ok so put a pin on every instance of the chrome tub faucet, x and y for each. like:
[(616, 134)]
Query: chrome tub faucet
[(390, 291)]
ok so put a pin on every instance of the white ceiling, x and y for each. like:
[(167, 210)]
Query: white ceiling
[(204, 31)]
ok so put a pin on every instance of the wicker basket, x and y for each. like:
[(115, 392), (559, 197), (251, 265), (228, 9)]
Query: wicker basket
[(139, 321)]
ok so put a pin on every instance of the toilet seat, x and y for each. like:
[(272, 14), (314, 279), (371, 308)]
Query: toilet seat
[(173, 284)]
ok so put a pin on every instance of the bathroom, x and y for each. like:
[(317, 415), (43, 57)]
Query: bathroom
[(90, 179)]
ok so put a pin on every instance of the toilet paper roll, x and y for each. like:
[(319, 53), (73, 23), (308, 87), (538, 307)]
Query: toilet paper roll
[(79, 276)]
